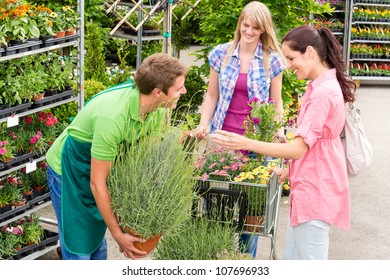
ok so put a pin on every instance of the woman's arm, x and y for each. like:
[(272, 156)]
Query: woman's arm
[(294, 150), (209, 104)]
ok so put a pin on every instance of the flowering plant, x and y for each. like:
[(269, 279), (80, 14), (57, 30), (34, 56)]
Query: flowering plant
[(70, 17), (18, 23), (262, 124), (220, 164), (43, 17), (38, 143), (59, 21), (259, 175), (6, 150), (39, 177)]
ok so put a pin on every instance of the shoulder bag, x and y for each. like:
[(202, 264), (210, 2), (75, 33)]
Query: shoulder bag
[(358, 150)]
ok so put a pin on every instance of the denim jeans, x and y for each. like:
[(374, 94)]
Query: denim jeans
[(248, 244), (54, 182)]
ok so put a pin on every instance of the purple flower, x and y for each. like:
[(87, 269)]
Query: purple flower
[(256, 120), (253, 100)]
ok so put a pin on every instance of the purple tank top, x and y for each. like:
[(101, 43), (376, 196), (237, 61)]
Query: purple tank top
[(238, 108)]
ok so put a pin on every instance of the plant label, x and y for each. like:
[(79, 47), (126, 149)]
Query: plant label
[(31, 166), (13, 121)]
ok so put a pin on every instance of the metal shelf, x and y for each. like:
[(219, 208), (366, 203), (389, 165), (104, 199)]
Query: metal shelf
[(370, 78), (40, 50), (41, 252), (123, 35), (5, 172), (371, 22), (26, 213), (370, 59), (370, 41), (372, 4), (38, 109)]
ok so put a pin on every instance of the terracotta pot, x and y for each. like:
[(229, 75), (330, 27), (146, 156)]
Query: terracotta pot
[(20, 203), (146, 246), (60, 34), (70, 32), (39, 96), (254, 223)]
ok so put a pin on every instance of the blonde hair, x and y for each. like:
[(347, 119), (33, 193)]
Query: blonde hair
[(261, 16)]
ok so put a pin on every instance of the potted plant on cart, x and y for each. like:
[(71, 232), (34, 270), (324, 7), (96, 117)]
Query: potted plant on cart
[(39, 180), (154, 176), (254, 186)]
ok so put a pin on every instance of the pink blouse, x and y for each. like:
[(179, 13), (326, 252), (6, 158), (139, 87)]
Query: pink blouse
[(319, 182)]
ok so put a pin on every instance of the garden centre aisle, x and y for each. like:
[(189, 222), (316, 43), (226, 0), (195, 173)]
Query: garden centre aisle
[(368, 238)]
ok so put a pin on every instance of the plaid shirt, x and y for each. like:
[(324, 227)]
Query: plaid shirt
[(258, 84)]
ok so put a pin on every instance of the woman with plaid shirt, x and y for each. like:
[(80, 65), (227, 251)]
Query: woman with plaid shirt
[(249, 66)]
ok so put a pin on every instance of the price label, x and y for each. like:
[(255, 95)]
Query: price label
[(13, 121), (31, 166)]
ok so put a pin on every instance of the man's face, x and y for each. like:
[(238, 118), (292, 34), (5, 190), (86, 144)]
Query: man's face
[(170, 99)]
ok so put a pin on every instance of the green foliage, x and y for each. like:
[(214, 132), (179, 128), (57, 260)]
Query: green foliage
[(151, 182), (292, 89), (33, 232), (66, 112), (256, 200), (95, 66), (93, 9), (197, 239), (196, 87), (184, 31)]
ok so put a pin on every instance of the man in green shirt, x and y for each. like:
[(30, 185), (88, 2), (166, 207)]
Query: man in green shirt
[(80, 159)]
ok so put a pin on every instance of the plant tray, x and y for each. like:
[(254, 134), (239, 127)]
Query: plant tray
[(18, 160), (50, 240), (25, 251), (1, 165), (24, 47), (56, 41), (53, 98), (38, 200), (14, 110), (13, 212), (1, 52)]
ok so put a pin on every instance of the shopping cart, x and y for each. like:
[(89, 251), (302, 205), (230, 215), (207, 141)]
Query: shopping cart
[(252, 208)]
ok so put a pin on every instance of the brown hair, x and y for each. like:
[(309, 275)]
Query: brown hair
[(159, 70), (328, 49)]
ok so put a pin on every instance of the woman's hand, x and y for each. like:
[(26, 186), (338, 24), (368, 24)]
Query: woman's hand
[(283, 173), (200, 132), (126, 246), (230, 140)]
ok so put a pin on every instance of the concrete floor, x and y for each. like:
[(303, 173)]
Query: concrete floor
[(369, 238)]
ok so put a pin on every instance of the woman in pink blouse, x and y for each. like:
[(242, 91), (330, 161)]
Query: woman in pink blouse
[(319, 194)]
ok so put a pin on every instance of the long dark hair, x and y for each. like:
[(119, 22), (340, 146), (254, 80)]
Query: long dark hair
[(329, 50)]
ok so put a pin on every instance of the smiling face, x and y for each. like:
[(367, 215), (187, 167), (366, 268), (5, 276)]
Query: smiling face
[(297, 62), (250, 31), (170, 99)]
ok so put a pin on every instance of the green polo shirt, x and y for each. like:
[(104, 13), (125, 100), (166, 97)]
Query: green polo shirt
[(108, 119)]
